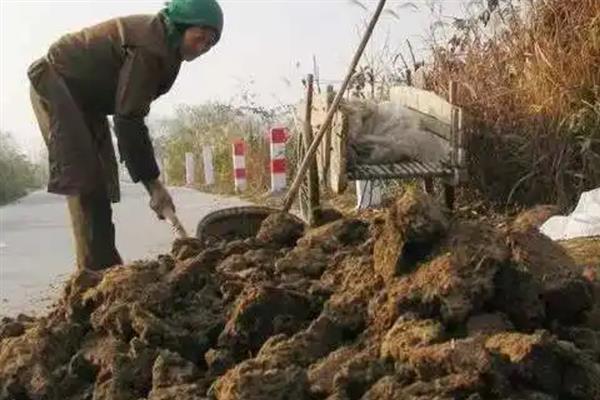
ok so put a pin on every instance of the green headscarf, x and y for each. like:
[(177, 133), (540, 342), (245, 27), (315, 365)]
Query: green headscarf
[(179, 14)]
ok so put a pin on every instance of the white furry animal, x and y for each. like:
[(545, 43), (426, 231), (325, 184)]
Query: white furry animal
[(388, 132)]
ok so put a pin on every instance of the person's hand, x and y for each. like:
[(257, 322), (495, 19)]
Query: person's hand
[(160, 199)]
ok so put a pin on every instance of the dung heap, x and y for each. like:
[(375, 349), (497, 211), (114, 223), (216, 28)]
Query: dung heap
[(408, 304)]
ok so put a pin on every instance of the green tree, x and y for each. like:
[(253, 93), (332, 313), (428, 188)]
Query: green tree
[(18, 175)]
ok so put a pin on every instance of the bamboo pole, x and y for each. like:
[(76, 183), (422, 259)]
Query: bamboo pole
[(310, 152), (449, 188), (327, 146), (313, 173)]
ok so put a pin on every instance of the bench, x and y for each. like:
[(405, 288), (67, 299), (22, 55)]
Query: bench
[(437, 116)]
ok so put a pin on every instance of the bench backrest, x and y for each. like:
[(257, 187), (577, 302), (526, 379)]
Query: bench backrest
[(436, 113), (438, 116)]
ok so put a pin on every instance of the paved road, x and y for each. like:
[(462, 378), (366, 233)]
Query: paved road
[(36, 254)]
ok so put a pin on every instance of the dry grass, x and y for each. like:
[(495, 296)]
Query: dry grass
[(533, 92), (258, 166), (585, 251)]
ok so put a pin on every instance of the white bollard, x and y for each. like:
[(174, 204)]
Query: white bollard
[(239, 166), (368, 194), (190, 169), (278, 163), (209, 170)]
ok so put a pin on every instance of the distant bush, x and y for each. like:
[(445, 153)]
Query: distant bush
[(17, 174)]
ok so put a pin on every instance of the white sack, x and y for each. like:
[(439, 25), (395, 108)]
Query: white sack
[(583, 222), (389, 132)]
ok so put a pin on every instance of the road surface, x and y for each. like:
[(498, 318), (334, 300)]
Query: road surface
[(36, 251)]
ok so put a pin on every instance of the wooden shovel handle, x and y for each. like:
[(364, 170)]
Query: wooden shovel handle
[(178, 228)]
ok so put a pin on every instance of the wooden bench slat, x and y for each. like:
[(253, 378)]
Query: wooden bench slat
[(398, 170)]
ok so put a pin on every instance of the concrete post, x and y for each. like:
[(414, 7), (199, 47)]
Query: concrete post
[(209, 171), (190, 169), (368, 194)]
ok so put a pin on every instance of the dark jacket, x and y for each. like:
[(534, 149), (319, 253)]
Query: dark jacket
[(114, 68)]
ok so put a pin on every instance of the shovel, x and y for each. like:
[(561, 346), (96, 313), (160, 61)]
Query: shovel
[(176, 225), (246, 221)]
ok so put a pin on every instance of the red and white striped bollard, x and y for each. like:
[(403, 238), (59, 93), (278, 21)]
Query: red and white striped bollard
[(278, 138), (239, 166)]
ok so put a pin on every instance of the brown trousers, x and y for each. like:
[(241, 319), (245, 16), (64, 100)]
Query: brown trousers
[(91, 211)]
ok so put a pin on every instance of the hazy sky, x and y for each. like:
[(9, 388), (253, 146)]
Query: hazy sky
[(263, 42)]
